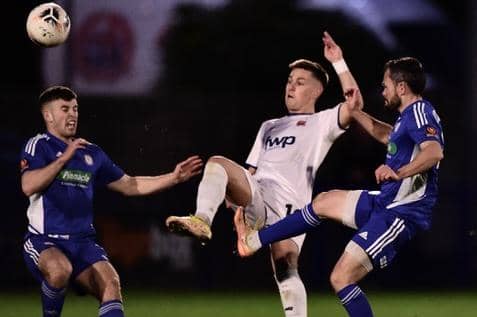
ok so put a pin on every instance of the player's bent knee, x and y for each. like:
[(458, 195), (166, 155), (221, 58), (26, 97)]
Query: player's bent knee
[(57, 274), (338, 279), (217, 159), (318, 203)]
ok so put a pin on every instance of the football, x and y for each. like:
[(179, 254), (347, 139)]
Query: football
[(48, 25)]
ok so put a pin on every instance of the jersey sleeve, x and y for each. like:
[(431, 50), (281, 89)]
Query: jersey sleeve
[(424, 124), (254, 155), (329, 120), (33, 155), (108, 171)]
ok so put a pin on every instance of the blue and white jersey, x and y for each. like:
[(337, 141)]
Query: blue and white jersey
[(288, 152), (65, 207), (412, 197)]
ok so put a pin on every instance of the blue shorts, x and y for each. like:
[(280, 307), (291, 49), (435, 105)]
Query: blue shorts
[(82, 252), (381, 232)]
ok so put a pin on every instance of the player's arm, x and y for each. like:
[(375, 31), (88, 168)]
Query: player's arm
[(35, 181), (431, 153), (145, 185), (377, 129), (334, 55)]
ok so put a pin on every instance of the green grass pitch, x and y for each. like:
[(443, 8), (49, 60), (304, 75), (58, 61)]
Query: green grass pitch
[(243, 304)]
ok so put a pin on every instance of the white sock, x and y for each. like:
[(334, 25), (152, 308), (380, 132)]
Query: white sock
[(211, 192), (293, 295)]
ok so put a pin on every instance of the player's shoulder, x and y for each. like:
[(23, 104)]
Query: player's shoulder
[(327, 112), (420, 107), (39, 137), (270, 122), (37, 141), (95, 149), (420, 112)]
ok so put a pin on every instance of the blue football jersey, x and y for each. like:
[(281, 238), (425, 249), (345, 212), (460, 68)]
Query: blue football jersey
[(65, 207), (412, 197)]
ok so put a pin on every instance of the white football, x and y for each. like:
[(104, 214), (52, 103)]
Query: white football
[(48, 25)]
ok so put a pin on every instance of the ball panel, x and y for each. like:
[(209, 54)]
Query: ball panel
[(48, 25)]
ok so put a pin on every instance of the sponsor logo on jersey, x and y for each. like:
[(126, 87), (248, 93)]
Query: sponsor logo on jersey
[(23, 165), (277, 142), (301, 123), (75, 177), (392, 148), (431, 131)]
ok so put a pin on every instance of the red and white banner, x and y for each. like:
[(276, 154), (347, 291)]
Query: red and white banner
[(113, 47)]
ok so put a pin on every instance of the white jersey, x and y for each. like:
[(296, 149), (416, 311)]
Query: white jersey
[(287, 154)]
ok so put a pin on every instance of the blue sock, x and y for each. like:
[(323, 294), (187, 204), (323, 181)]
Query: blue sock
[(52, 299), (112, 308), (292, 225), (355, 302)]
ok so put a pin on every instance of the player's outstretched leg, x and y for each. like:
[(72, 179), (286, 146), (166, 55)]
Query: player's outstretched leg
[(245, 235), (190, 226)]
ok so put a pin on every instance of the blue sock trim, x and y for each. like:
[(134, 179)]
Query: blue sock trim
[(355, 301), (349, 293), (309, 215), (50, 291), (111, 305), (300, 221)]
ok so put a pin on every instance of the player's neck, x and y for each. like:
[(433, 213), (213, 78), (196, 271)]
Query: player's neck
[(407, 101), (67, 140), (302, 110)]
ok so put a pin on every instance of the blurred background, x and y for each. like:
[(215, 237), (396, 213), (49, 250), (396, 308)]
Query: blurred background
[(161, 80)]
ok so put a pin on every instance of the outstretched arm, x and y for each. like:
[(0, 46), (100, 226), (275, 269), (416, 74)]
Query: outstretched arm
[(145, 185), (334, 55), (377, 129)]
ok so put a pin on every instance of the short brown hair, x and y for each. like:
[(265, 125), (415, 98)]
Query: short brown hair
[(409, 70), (56, 92), (316, 69)]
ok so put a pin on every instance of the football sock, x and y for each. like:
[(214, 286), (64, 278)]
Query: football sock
[(354, 301), (52, 299), (112, 308), (211, 192), (292, 225), (292, 294)]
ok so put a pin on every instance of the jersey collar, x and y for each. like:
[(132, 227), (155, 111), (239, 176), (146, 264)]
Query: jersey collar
[(300, 114)]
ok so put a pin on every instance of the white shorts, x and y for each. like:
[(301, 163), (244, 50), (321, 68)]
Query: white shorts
[(267, 206)]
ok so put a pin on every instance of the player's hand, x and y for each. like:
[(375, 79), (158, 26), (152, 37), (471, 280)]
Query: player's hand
[(73, 146), (188, 168), (332, 51), (353, 100), (385, 173)]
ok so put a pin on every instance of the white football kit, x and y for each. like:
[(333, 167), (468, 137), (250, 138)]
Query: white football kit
[(287, 154)]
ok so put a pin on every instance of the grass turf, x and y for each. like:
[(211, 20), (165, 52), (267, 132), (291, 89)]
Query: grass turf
[(243, 304)]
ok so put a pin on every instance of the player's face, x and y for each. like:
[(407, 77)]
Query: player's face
[(302, 91), (61, 118), (391, 98)]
